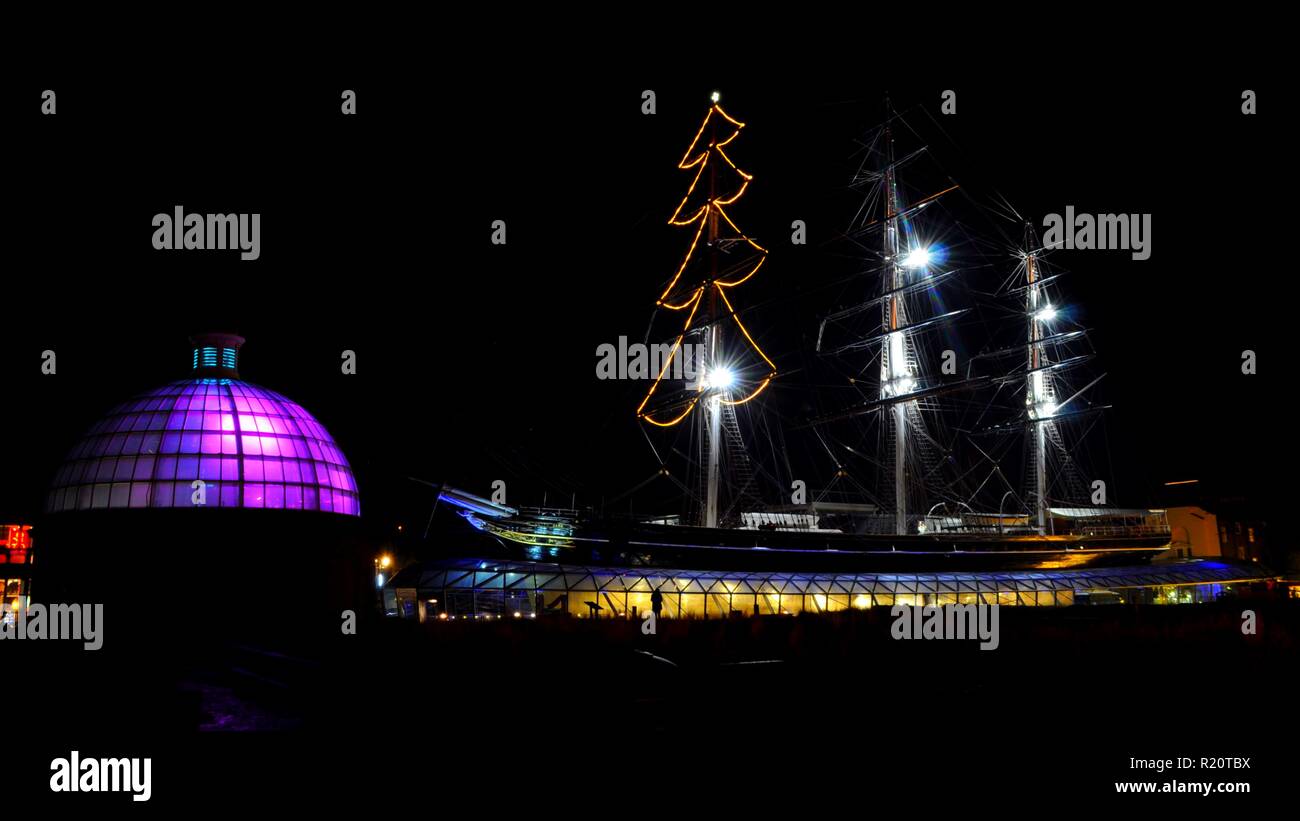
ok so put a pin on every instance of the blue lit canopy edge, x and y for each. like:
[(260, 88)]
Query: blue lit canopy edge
[(481, 574)]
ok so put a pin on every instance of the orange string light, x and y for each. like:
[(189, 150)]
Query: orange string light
[(700, 161), (677, 344), (741, 325), (694, 298), (758, 247), (673, 219), (670, 422), (682, 267), (733, 283)]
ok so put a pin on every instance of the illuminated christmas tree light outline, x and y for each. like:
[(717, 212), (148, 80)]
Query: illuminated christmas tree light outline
[(696, 297)]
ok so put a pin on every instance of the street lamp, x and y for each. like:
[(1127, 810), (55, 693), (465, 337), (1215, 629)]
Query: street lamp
[(382, 563)]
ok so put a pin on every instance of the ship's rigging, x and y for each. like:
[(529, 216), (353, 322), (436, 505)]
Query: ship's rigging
[(733, 369), (989, 440)]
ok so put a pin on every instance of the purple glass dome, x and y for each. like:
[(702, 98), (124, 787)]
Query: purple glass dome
[(250, 446)]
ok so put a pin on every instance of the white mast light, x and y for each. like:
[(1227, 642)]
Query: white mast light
[(1044, 410), (719, 379), (1046, 314), (917, 258)]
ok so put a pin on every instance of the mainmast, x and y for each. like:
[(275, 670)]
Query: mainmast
[(908, 300), (894, 372)]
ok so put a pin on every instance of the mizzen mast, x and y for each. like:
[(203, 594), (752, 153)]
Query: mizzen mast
[(1038, 387)]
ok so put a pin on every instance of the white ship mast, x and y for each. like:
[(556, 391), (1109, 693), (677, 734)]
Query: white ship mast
[(895, 373), (711, 419), (910, 462), (1039, 395)]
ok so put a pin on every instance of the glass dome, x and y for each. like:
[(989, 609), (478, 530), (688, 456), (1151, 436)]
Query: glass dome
[(249, 446)]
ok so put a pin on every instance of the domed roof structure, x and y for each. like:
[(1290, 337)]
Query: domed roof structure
[(251, 447)]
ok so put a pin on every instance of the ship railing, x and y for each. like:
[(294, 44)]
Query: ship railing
[(1149, 525), (1122, 530), (567, 512)]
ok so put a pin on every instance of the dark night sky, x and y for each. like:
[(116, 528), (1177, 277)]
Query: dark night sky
[(477, 362)]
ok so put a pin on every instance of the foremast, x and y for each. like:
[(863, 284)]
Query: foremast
[(727, 375)]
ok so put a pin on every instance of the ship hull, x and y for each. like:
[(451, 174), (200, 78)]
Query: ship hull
[(647, 545)]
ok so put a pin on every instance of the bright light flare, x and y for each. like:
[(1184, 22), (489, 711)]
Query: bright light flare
[(917, 258), (719, 379), (1045, 410), (1047, 314)]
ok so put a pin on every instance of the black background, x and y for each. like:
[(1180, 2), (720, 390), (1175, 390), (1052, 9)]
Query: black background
[(476, 362)]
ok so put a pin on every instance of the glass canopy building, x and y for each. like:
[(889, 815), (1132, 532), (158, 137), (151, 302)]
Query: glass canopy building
[(249, 446), (475, 588)]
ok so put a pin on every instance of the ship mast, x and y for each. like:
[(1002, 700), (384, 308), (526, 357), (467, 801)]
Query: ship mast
[(1038, 386), (711, 420), (907, 278), (910, 457), (725, 378), (893, 362)]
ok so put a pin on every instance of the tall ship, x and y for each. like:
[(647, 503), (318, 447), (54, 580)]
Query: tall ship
[(935, 455)]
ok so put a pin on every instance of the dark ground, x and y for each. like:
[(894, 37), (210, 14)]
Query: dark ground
[(818, 702)]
